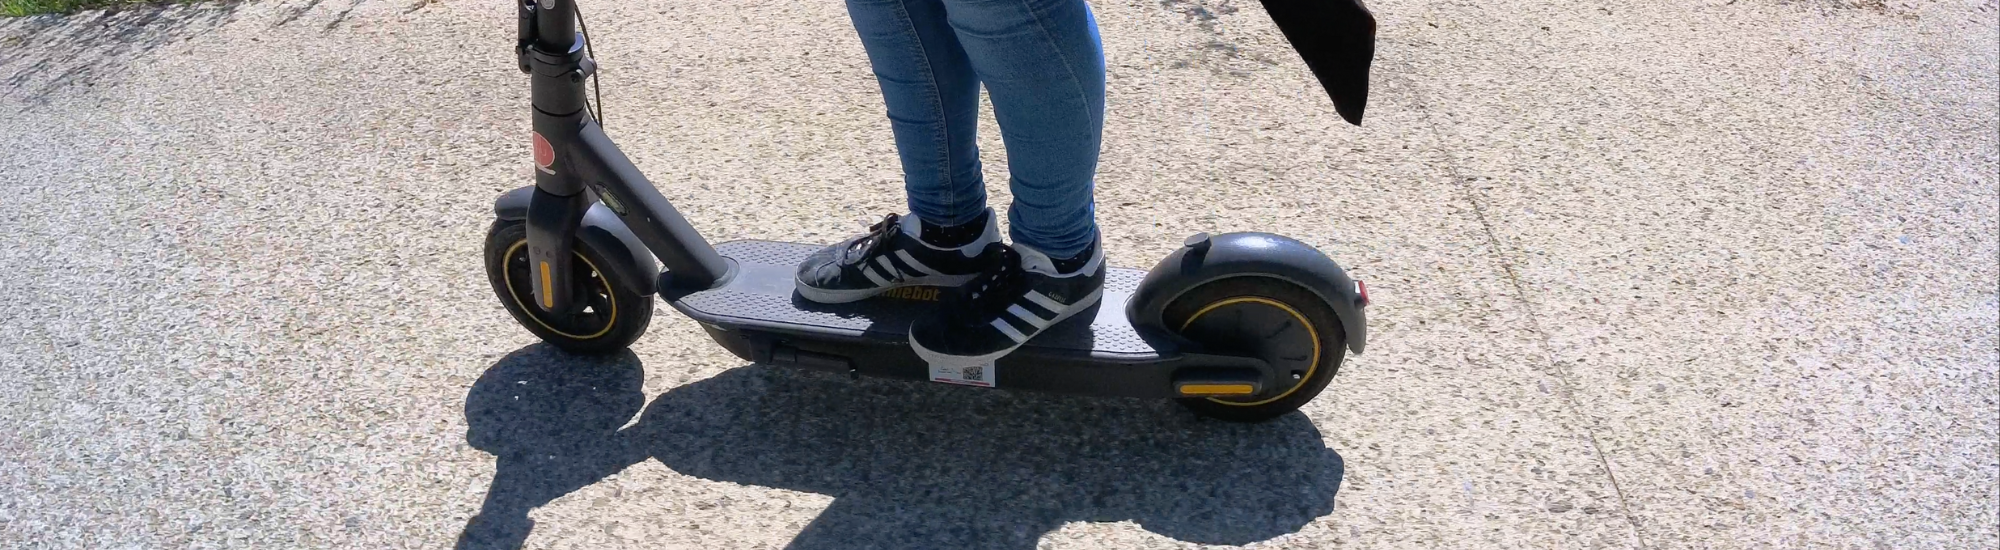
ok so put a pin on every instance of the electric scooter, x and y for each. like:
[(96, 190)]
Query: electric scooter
[(1238, 326)]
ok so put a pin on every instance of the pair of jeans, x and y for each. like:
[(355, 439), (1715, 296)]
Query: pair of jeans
[(1042, 64)]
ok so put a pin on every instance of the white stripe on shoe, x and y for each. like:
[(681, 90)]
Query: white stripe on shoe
[(1091, 298), (911, 261), (889, 268), (872, 277), (1043, 300), (1007, 329), (1030, 317)]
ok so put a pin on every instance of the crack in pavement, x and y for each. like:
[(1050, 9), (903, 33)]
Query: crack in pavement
[(1507, 265)]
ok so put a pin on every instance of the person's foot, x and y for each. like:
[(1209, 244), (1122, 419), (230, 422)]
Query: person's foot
[(897, 252), (1022, 293)]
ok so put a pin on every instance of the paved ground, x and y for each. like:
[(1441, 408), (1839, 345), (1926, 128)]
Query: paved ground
[(1710, 274)]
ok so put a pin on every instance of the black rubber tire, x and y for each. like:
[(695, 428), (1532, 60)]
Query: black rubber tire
[(1317, 316), (630, 312)]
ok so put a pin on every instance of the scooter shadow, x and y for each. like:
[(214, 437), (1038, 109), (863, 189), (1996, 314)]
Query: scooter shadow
[(910, 465)]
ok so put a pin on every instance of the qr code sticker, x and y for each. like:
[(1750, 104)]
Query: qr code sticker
[(976, 375)]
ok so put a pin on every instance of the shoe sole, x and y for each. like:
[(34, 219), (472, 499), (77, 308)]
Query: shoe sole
[(960, 361), (842, 296)]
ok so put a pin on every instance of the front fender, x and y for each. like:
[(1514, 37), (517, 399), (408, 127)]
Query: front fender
[(630, 261), (1206, 259)]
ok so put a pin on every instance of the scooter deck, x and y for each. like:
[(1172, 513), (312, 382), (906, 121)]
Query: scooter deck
[(761, 296), (759, 316)]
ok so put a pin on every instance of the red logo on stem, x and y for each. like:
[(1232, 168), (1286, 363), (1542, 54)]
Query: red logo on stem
[(545, 155)]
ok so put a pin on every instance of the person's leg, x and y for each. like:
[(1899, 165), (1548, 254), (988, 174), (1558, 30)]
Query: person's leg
[(1043, 66), (933, 102)]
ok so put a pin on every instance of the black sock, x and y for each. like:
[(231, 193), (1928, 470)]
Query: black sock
[(1071, 264), (953, 236)]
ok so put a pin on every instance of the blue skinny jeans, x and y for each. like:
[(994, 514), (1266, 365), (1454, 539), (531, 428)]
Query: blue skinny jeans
[(1042, 63)]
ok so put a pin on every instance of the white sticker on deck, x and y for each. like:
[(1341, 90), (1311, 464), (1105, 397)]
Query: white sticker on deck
[(976, 375)]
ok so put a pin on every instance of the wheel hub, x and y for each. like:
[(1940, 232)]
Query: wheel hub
[(1262, 328), (593, 311)]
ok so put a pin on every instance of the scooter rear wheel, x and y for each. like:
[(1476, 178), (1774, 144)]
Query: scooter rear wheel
[(1277, 321), (608, 317)]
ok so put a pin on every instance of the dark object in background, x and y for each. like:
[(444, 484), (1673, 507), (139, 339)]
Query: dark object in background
[(1337, 40)]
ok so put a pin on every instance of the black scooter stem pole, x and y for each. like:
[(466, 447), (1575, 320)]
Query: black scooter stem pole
[(559, 68), (555, 24), (691, 262)]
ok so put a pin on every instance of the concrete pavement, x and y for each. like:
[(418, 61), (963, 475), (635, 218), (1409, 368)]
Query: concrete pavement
[(1715, 274)]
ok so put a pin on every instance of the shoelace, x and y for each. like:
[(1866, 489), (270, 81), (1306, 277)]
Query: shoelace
[(878, 235), (999, 287)]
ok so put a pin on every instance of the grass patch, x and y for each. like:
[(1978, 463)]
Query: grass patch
[(17, 8)]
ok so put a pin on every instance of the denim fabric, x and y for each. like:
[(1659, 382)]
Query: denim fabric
[(1041, 62)]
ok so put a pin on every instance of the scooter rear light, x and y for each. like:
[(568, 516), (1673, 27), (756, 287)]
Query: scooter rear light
[(1361, 291)]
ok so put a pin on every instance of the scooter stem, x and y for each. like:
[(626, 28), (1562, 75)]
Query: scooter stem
[(573, 156)]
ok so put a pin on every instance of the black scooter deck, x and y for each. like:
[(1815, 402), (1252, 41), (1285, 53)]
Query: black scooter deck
[(759, 316)]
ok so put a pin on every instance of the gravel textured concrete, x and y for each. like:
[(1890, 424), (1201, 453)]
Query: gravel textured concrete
[(1711, 274)]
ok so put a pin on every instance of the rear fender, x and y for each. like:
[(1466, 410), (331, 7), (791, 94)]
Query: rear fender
[(1206, 259)]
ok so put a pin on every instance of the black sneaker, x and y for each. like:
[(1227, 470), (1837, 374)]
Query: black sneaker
[(1022, 293), (895, 253)]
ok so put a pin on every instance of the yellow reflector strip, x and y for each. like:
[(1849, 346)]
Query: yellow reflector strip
[(1217, 389), (548, 288)]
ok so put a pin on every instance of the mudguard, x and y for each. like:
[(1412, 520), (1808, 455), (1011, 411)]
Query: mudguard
[(1249, 254), (630, 261)]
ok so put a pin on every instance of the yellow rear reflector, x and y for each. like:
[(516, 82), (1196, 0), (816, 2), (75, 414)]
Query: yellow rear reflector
[(1217, 389)]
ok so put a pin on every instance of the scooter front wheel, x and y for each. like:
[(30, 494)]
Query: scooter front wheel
[(1285, 325), (607, 317)]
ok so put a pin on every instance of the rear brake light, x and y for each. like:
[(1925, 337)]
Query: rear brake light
[(1361, 292)]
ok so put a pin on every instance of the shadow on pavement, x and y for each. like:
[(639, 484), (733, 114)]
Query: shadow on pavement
[(50, 52), (910, 465)]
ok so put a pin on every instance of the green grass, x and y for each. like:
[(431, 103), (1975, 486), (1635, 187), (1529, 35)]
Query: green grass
[(17, 8)]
